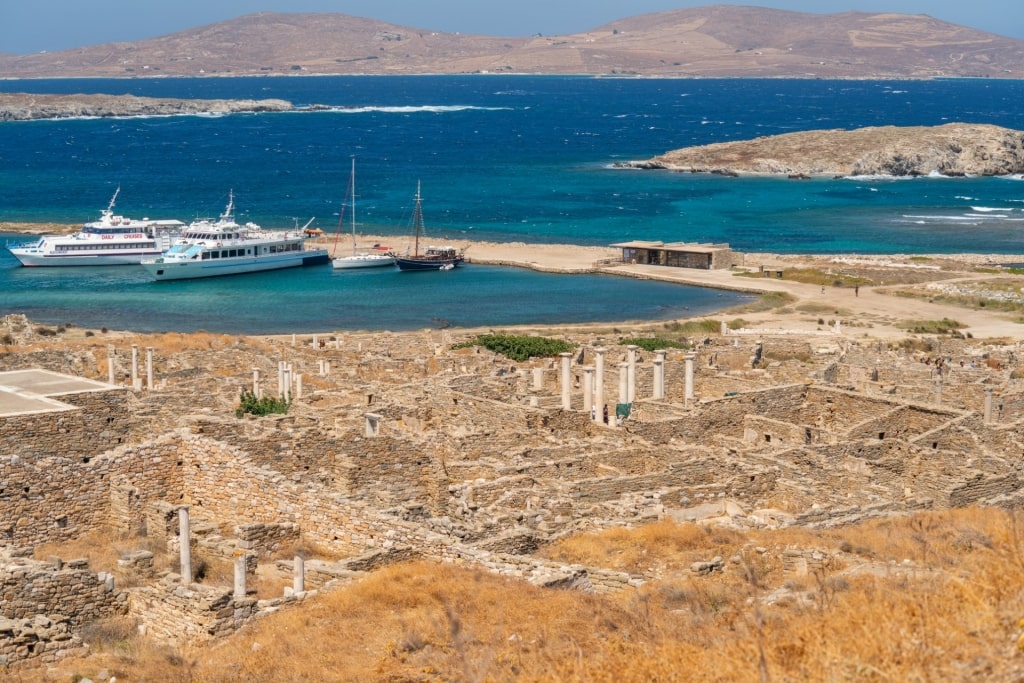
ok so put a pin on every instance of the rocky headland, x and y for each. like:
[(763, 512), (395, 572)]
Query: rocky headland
[(953, 149), (27, 106)]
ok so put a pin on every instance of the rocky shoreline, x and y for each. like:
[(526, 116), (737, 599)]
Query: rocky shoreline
[(953, 149), (28, 107)]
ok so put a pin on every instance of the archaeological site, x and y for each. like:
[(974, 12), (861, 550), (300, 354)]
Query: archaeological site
[(401, 446)]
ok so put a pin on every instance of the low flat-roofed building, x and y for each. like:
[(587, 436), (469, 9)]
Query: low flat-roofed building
[(678, 254)]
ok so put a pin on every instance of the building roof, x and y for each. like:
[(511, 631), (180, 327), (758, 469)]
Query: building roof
[(31, 391), (689, 247)]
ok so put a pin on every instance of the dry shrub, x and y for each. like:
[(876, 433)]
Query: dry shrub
[(951, 613)]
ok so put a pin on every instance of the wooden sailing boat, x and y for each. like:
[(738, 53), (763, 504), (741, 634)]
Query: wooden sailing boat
[(431, 258), (357, 260)]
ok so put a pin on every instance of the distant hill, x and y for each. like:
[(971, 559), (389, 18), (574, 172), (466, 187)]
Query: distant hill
[(953, 149), (714, 41)]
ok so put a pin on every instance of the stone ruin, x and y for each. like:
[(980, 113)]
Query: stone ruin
[(397, 446)]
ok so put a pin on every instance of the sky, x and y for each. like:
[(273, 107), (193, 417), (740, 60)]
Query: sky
[(28, 26)]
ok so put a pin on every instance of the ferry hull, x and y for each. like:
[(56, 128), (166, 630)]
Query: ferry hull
[(33, 258), (189, 270)]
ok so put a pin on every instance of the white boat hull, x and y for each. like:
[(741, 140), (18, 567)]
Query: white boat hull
[(363, 261), (188, 270), (34, 257)]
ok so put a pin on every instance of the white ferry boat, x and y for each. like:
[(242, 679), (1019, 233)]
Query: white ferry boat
[(223, 247), (111, 241)]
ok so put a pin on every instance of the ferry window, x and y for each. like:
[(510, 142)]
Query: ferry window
[(214, 254), (206, 255)]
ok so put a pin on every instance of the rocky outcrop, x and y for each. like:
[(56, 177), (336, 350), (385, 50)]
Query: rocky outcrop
[(25, 106), (953, 149)]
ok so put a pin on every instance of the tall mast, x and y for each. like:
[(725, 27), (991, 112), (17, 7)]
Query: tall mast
[(417, 218), (352, 182)]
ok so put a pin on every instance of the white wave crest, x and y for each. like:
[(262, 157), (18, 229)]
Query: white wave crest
[(409, 109)]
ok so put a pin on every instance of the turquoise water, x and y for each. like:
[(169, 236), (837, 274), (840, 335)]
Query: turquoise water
[(500, 158)]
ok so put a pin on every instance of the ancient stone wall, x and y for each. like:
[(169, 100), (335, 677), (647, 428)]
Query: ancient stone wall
[(173, 613), (43, 604), (53, 498), (100, 421)]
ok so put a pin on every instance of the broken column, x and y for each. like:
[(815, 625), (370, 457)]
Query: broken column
[(299, 575), (688, 387), (110, 366), (184, 545), (239, 575), (149, 368), (566, 380), (298, 385), (372, 424), (256, 382), (538, 379), (988, 405)]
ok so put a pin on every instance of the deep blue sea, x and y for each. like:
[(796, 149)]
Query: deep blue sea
[(501, 158)]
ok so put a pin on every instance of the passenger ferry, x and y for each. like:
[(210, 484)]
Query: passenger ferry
[(111, 241), (223, 247)]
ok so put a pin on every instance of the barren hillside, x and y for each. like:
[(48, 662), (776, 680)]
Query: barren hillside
[(954, 149), (715, 41)]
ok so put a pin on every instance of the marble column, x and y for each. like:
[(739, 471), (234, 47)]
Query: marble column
[(599, 403), (588, 391), (688, 387), (566, 380), (658, 392), (135, 367), (239, 576), (149, 368), (299, 575), (623, 383), (631, 372), (185, 545)]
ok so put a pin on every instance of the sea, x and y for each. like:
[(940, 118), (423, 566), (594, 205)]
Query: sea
[(507, 158)]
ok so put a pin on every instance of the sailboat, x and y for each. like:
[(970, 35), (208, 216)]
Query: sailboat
[(433, 257), (358, 260)]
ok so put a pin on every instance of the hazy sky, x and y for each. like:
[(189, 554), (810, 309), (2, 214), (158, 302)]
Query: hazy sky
[(34, 25)]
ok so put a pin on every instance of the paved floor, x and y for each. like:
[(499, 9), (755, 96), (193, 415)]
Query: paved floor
[(23, 392)]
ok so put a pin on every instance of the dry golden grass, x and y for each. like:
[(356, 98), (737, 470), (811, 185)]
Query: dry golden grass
[(952, 615)]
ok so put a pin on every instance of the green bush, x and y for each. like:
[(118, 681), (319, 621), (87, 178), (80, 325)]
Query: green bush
[(519, 347), (653, 343), (248, 403)]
